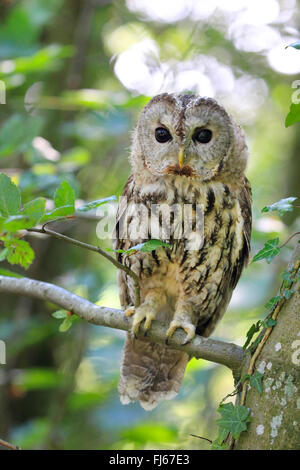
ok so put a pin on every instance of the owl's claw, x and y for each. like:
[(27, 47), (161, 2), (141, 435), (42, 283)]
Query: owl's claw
[(188, 327), (129, 312), (143, 312)]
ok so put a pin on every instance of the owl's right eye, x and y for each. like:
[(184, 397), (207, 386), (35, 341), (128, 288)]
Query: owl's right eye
[(162, 135)]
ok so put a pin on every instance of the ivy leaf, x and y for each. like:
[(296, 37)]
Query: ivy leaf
[(251, 332), (10, 198), (64, 195), (19, 252), (233, 418), (216, 446), (256, 381), (94, 204), (270, 250), (282, 206), (272, 303), (269, 323), (287, 293), (293, 116), (287, 279)]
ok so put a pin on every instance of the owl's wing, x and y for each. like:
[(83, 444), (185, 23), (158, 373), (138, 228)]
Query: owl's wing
[(231, 278), (245, 200), (123, 244)]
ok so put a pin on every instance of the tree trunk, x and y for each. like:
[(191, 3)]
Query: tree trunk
[(275, 413)]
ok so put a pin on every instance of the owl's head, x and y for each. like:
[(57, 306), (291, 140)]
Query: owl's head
[(190, 136)]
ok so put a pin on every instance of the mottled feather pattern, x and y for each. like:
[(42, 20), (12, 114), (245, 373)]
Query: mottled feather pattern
[(181, 287)]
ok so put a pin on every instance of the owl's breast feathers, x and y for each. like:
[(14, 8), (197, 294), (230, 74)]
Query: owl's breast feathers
[(207, 276)]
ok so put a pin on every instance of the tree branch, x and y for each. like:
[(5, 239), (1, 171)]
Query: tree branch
[(212, 350)]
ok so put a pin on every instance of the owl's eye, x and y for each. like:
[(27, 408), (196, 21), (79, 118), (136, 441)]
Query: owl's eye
[(202, 135), (162, 135)]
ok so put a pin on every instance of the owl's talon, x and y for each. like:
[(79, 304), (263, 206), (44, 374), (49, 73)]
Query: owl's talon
[(188, 327), (129, 311), (143, 312)]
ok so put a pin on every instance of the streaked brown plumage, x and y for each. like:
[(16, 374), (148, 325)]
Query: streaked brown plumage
[(185, 288)]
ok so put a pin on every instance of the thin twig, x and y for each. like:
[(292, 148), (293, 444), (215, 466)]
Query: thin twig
[(292, 236), (9, 445), (96, 249), (200, 437)]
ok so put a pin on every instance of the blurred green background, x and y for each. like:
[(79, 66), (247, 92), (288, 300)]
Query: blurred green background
[(76, 74)]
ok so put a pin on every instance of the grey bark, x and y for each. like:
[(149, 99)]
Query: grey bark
[(275, 414)]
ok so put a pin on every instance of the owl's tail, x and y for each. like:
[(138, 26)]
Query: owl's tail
[(150, 372)]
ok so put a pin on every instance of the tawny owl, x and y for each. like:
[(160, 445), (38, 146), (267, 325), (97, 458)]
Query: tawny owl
[(187, 151)]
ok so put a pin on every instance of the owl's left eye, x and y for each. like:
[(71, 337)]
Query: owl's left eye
[(203, 136), (162, 135)]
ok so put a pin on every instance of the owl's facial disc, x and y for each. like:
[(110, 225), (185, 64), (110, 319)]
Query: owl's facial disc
[(186, 136)]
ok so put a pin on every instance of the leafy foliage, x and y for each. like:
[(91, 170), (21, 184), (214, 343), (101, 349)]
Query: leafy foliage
[(282, 206), (270, 250)]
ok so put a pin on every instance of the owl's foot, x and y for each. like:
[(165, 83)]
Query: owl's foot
[(186, 325), (129, 312), (141, 313)]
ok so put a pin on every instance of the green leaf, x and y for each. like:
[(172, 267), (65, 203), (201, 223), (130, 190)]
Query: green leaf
[(271, 304), (282, 206), (28, 217), (59, 314), (287, 279), (216, 446), (19, 252), (35, 210), (94, 204), (3, 254), (293, 116), (58, 212), (234, 418), (287, 293), (146, 247), (295, 45), (270, 250), (256, 381), (64, 195), (251, 332), (67, 323), (269, 323), (10, 198), (8, 273)]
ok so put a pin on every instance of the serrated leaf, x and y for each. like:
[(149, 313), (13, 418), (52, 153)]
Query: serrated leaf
[(251, 332), (255, 381), (94, 204), (282, 206), (64, 195), (35, 209), (270, 250), (58, 212), (19, 252), (59, 314), (16, 222), (10, 198), (273, 302), (234, 418)]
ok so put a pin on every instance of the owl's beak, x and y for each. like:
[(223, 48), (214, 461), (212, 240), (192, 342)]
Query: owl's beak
[(181, 157)]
